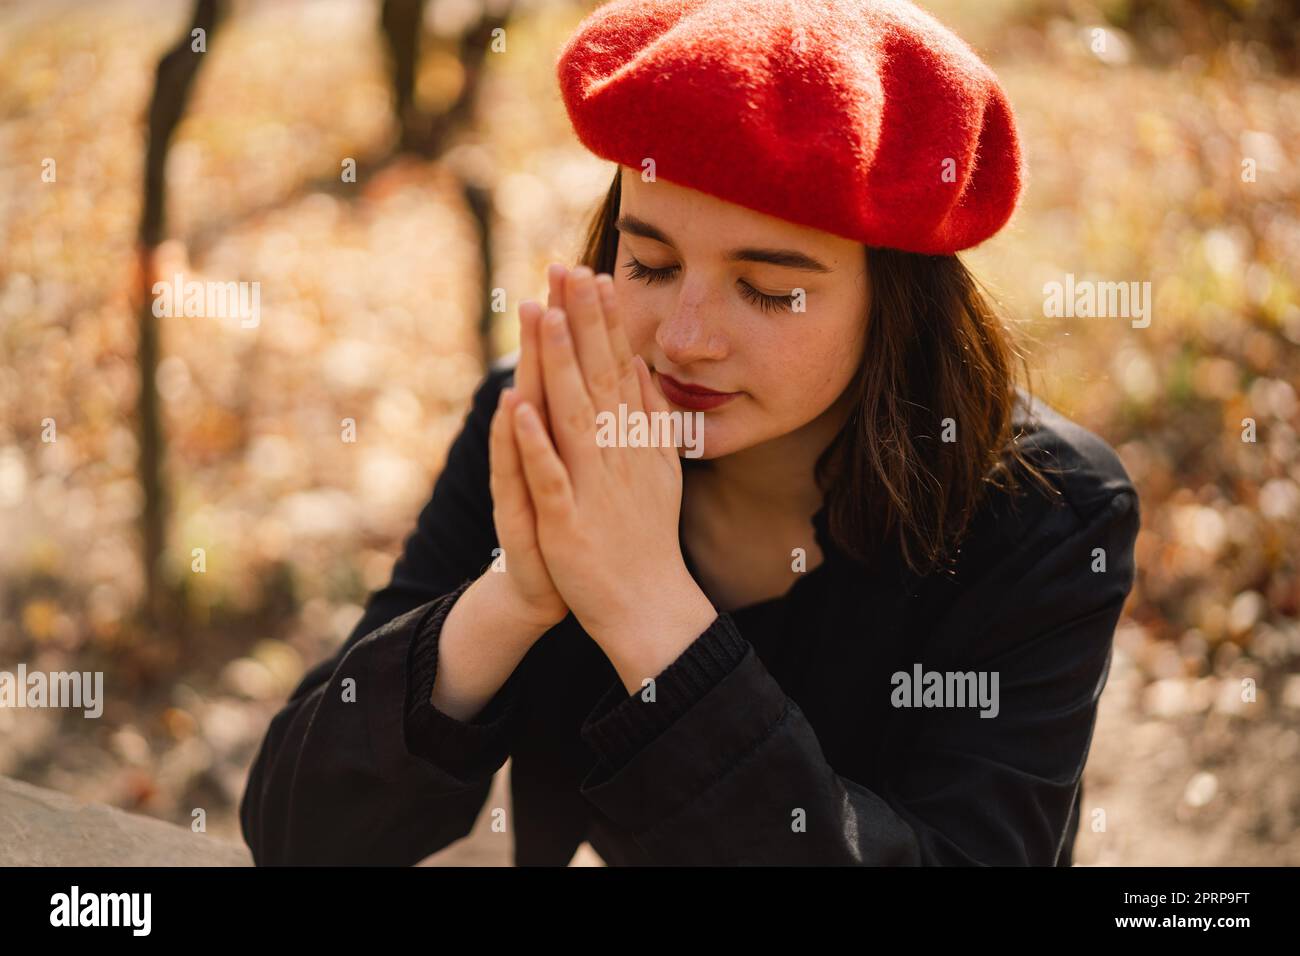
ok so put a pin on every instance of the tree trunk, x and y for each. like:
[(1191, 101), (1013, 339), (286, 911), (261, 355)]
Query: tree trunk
[(173, 82)]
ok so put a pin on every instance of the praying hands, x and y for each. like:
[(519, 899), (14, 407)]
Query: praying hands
[(588, 525)]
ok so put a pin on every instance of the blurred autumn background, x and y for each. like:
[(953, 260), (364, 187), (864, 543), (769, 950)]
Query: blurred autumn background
[(1161, 140)]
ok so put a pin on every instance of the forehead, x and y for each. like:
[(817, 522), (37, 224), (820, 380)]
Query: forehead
[(693, 219)]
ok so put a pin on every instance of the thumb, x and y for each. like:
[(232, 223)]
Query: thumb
[(652, 400)]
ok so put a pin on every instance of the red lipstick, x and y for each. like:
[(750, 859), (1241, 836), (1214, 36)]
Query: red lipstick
[(695, 397)]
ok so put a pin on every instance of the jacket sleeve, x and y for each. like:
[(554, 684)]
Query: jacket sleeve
[(358, 767), (717, 768)]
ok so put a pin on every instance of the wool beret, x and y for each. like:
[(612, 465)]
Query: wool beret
[(867, 119)]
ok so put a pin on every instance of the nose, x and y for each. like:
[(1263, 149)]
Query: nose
[(693, 332)]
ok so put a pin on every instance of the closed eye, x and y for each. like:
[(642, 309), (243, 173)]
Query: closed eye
[(768, 303), (643, 273)]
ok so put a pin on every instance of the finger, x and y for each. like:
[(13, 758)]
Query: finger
[(547, 478), (509, 491), (573, 416), (591, 338), (528, 373), (555, 274), (650, 394), (629, 385), (654, 401)]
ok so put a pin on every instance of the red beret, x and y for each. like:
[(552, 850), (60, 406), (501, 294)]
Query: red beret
[(867, 119)]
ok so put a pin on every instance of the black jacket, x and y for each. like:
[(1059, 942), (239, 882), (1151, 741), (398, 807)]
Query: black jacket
[(778, 736)]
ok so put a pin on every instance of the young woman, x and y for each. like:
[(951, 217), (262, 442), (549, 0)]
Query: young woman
[(867, 620)]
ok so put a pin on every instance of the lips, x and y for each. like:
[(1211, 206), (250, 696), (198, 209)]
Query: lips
[(697, 398)]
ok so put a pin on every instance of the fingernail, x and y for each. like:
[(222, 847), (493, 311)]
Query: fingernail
[(582, 272), (524, 416), (555, 324)]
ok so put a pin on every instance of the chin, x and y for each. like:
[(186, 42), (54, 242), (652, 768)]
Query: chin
[(706, 453), (724, 433), (719, 441)]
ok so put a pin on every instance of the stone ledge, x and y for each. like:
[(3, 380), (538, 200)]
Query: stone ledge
[(41, 827)]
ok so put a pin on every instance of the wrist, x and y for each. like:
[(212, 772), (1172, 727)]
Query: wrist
[(515, 615), (656, 630)]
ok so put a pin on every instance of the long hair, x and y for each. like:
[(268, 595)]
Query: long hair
[(930, 428)]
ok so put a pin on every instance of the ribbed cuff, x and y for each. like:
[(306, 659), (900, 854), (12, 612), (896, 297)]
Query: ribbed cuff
[(620, 725), (471, 750)]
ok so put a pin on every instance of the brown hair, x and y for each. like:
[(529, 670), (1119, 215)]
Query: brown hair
[(935, 342)]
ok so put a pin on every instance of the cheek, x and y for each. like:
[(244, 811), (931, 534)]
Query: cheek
[(638, 314), (639, 325), (634, 304), (804, 369)]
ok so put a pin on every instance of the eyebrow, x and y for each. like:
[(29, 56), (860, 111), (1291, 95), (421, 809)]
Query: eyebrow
[(789, 258)]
